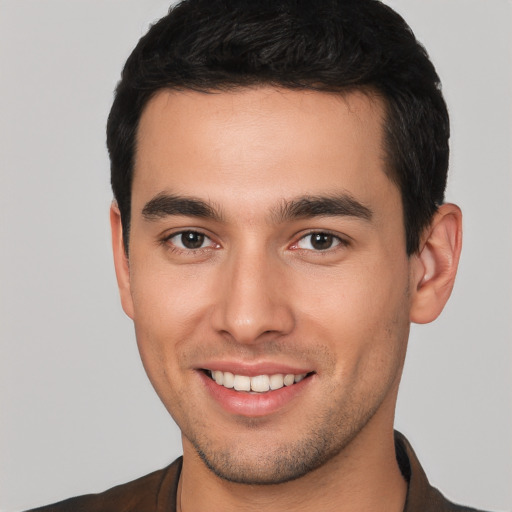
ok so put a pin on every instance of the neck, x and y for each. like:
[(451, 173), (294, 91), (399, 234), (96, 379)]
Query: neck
[(364, 476)]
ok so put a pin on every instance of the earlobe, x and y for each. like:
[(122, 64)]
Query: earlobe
[(435, 266), (121, 260)]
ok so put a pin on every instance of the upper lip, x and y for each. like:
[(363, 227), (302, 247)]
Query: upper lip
[(255, 369)]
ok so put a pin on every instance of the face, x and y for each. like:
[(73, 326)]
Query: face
[(268, 279)]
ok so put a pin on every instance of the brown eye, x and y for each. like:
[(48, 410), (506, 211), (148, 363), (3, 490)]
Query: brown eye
[(190, 240), (321, 241), (318, 241)]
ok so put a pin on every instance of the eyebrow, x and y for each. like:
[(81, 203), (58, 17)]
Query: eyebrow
[(164, 205), (322, 206)]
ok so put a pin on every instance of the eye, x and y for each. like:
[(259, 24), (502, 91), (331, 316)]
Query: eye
[(190, 240), (318, 241)]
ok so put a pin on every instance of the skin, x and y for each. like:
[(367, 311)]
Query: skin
[(258, 292)]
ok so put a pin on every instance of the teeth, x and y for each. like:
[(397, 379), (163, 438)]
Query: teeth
[(289, 379), (276, 381), (258, 384), (227, 379), (261, 383), (218, 377), (242, 383)]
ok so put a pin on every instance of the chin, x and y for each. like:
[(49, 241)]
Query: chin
[(261, 463), (262, 470)]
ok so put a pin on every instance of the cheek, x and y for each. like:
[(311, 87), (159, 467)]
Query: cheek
[(168, 298), (169, 310), (362, 310)]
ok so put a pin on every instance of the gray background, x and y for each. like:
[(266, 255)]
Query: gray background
[(77, 413)]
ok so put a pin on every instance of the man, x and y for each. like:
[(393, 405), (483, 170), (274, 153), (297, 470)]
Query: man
[(279, 172)]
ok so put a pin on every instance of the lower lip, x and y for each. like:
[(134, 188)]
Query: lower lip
[(253, 404)]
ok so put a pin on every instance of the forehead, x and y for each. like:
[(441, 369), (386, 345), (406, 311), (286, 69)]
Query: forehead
[(259, 144)]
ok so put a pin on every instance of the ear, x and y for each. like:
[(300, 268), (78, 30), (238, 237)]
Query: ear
[(435, 265), (121, 260)]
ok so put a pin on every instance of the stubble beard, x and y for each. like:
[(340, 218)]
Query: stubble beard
[(324, 435), (290, 460)]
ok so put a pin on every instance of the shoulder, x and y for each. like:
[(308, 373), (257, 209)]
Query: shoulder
[(147, 493), (436, 502), (421, 496)]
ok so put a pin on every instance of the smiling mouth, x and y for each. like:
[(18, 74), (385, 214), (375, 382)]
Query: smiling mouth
[(256, 384)]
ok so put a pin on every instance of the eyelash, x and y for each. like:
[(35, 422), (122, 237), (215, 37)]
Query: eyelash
[(340, 243), (184, 250)]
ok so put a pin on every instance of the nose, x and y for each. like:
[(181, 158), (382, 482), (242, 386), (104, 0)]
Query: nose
[(252, 303)]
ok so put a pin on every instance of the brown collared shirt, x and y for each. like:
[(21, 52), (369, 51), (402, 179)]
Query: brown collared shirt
[(157, 491)]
